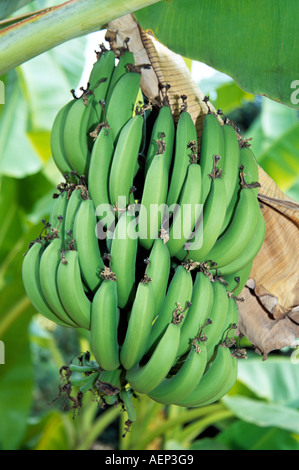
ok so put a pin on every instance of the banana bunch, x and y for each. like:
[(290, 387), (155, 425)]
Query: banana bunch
[(149, 242)]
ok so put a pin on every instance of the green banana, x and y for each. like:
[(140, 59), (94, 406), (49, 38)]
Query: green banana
[(217, 317), (163, 129), (73, 205), (212, 143), (31, 282), (99, 83), (101, 69), (178, 386), (123, 162), (57, 214), (249, 175), (98, 176), (126, 395), (125, 59), (212, 385), (177, 301), (71, 290), (228, 384), (185, 149), (232, 320), (229, 161), (237, 281), (57, 140), (49, 262), (122, 101), (240, 230), (87, 245), (152, 205), (188, 211), (201, 306), (144, 378), (123, 256), (208, 225), (249, 253), (158, 271), (104, 325), (251, 170), (75, 134), (139, 325)]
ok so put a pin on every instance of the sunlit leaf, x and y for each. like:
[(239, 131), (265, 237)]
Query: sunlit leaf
[(246, 436), (254, 46), (263, 413), (275, 143), (9, 6), (275, 380)]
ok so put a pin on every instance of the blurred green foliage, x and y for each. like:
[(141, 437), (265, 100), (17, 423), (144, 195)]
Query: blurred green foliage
[(261, 411)]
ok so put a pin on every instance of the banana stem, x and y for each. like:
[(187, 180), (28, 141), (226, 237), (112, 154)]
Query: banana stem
[(189, 415), (99, 427), (49, 28), (193, 430)]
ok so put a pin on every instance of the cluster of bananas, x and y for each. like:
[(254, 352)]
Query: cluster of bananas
[(161, 313)]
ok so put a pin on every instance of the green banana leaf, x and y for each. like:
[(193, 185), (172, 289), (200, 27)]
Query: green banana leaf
[(34, 92), (255, 43), (247, 436), (275, 142), (7, 7), (53, 26)]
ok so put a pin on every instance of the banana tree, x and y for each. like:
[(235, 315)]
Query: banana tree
[(252, 42)]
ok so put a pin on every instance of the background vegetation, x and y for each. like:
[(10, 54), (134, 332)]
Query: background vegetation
[(261, 411)]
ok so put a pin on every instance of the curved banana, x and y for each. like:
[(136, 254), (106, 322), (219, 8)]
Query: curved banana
[(144, 378), (159, 271), (87, 245), (152, 205), (122, 101), (124, 160), (98, 176), (57, 215), (123, 257), (139, 325), (57, 140), (185, 149), (187, 212), (49, 262), (249, 253), (217, 316), (99, 83), (227, 385), (237, 281), (229, 161), (104, 325), (232, 320), (212, 143), (125, 59), (250, 167), (178, 386), (201, 306), (214, 380), (126, 395), (71, 290), (72, 208), (163, 129), (248, 171), (176, 303), (31, 282), (75, 134), (208, 225), (241, 229)]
